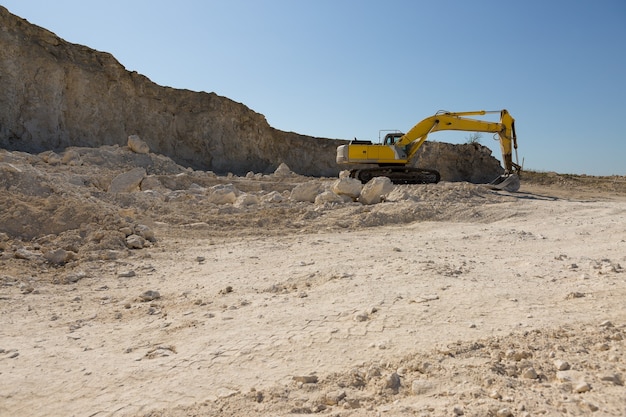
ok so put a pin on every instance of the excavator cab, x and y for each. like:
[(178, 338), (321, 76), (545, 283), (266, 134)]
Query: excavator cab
[(392, 138)]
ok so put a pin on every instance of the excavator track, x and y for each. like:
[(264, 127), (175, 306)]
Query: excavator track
[(398, 175)]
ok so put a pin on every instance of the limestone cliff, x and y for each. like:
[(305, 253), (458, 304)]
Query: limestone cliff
[(56, 94)]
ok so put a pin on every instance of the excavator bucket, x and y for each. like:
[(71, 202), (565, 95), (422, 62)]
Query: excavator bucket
[(508, 182)]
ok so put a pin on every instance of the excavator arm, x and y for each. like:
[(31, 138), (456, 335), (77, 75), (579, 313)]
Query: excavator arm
[(415, 138)]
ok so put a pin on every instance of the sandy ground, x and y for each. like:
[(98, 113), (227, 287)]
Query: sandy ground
[(446, 300)]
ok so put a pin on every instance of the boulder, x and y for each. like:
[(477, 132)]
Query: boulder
[(246, 200), (137, 145), (350, 187), (307, 191), (374, 191), (151, 183), (71, 157), (222, 194), (135, 242), (273, 197), (283, 170), (145, 232), (328, 197), (128, 181), (59, 256)]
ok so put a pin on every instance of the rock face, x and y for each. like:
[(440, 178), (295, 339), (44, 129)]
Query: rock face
[(471, 162), (56, 94)]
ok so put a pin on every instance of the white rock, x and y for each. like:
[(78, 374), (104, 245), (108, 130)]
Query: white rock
[(374, 191), (529, 373), (350, 187), (613, 378), (71, 157), (223, 393), (150, 295), (75, 277), (306, 379), (273, 197), (128, 181), (222, 194), (392, 381), (196, 189), (569, 376), (421, 387), (517, 355), (581, 387), (307, 191), (362, 316), (23, 253), (333, 397), (504, 412), (589, 405), (602, 346), (561, 365), (59, 256), (495, 395), (246, 200), (400, 194), (283, 170), (151, 183), (137, 145), (328, 197), (51, 157), (135, 242), (145, 232)]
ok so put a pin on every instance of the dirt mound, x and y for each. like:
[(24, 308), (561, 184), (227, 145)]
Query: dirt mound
[(59, 202), (491, 377), (584, 183), (65, 201)]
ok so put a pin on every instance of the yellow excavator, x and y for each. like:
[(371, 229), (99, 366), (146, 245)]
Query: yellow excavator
[(393, 155)]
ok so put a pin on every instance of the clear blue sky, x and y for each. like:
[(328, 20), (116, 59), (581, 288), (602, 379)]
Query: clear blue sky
[(348, 68)]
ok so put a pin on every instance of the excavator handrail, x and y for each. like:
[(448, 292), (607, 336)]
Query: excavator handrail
[(467, 113)]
